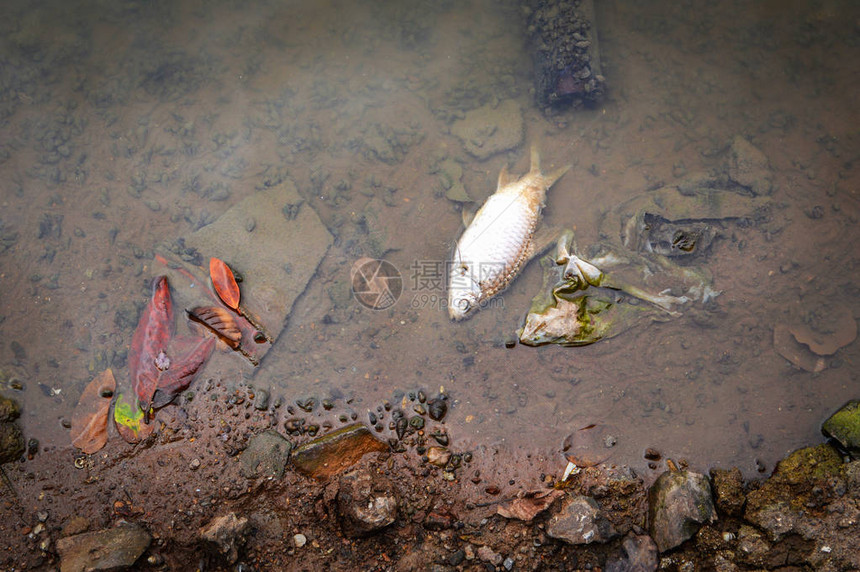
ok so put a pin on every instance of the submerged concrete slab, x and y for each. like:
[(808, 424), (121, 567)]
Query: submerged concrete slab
[(272, 238)]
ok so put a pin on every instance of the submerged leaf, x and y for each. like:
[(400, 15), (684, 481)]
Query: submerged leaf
[(179, 377), (224, 282), (129, 420), (90, 417), (219, 321), (150, 340)]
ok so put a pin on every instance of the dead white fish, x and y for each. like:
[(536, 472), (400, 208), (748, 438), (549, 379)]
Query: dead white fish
[(500, 240)]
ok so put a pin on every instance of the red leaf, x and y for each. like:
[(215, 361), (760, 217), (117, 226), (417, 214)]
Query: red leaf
[(150, 340), (180, 375), (224, 282), (90, 417)]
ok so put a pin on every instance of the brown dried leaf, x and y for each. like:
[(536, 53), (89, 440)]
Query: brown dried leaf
[(529, 505), (90, 417), (219, 321)]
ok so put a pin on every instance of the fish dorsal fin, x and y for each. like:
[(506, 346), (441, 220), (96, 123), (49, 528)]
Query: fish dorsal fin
[(468, 215), (535, 159), (504, 177)]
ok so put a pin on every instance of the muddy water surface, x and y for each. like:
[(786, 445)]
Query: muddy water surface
[(125, 125)]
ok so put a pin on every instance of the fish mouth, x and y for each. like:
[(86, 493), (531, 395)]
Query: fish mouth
[(460, 308)]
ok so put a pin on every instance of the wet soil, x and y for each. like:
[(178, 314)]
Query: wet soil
[(190, 472)]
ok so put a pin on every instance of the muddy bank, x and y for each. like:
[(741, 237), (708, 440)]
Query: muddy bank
[(233, 481)]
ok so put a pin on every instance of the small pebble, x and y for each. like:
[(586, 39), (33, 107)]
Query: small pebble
[(195, 464), (300, 540), (261, 400), (652, 454)]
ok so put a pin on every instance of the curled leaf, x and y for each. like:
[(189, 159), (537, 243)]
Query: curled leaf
[(529, 505), (90, 417), (224, 282), (129, 420), (219, 321)]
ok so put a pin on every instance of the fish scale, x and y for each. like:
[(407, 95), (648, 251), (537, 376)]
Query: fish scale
[(500, 240)]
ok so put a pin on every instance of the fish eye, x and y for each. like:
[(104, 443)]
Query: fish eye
[(463, 305)]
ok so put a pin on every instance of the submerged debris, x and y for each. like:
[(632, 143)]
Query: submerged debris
[(809, 344), (566, 57)]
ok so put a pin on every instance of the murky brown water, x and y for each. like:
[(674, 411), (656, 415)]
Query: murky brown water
[(127, 124)]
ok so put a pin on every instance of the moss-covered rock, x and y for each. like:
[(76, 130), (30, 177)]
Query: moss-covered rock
[(807, 464), (11, 439), (802, 484), (9, 409), (729, 490), (844, 427), (11, 443)]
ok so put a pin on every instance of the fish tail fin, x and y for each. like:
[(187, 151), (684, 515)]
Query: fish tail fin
[(549, 178)]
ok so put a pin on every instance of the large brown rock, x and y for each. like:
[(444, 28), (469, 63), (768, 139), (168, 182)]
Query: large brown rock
[(580, 521), (108, 549), (365, 502), (679, 502), (335, 452), (227, 534)]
